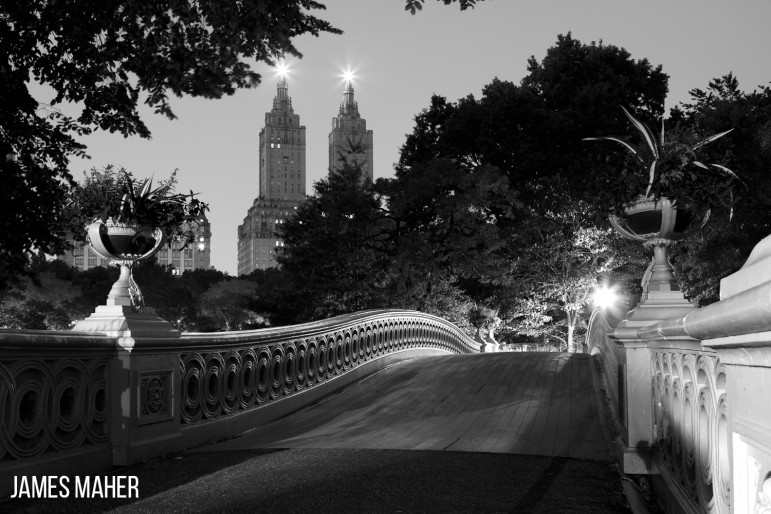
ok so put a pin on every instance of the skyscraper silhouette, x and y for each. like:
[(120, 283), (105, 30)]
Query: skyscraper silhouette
[(349, 138), (282, 184)]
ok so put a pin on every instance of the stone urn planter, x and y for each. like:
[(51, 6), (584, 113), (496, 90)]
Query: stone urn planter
[(653, 220), (126, 221), (658, 223), (124, 242), (125, 245)]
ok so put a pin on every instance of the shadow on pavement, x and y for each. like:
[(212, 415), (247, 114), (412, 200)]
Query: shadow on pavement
[(324, 480)]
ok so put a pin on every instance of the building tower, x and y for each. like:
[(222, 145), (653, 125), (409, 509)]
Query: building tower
[(282, 184), (349, 131)]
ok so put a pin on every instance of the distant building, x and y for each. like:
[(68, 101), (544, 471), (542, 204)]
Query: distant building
[(282, 184), (349, 130), (197, 254)]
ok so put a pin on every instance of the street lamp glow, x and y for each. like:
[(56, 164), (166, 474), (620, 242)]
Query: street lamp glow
[(605, 297)]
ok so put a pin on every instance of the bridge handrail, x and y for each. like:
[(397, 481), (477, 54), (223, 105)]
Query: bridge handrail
[(269, 335), (62, 389), (272, 364)]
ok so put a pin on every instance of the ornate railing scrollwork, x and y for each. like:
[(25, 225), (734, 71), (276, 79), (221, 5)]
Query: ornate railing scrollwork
[(52, 400), (691, 425), (223, 374)]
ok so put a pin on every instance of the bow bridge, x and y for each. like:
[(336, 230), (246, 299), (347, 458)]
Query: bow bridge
[(686, 389)]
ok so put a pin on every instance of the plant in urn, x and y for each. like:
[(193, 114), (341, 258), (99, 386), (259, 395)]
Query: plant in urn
[(680, 190), (127, 221)]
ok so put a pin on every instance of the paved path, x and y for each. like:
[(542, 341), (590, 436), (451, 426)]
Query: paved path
[(522, 403), (507, 423)]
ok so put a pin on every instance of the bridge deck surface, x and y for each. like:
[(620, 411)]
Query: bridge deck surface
[(522, 403)]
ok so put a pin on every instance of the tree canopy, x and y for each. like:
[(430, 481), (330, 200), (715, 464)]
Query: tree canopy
[(106, 58), (336, 247), (417, 5), (533, 131), (725, 244)]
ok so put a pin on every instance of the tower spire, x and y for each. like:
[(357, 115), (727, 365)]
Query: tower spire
[(282, 94), (282, 89), (348, 93), (348, 105)]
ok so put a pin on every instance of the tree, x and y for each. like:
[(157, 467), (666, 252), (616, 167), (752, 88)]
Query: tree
[(417, 5), (94, 285), (533, 131), (46, 302), (537, 263), (105, 59), (165, 294), (725, 244), (228, 303), (564, 256), (336, 247), (198, 281), (586, 83), (453, 226)]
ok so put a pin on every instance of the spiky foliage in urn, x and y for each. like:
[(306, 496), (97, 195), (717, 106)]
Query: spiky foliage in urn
[(113, 196), (663, 193), (665, 189)]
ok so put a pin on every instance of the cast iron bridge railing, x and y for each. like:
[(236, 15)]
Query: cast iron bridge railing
[(79, 401)]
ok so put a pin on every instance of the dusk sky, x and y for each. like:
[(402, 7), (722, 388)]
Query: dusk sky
[(400, 60)]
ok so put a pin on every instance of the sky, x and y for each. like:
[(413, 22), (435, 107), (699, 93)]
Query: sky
[(400, 60)]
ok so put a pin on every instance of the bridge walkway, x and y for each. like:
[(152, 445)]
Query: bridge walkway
[(521, 403), (506, 432)]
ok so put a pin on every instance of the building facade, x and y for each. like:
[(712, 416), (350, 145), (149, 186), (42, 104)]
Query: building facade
[(349, 138), (282, 184)]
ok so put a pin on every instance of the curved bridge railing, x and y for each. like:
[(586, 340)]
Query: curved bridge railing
[(86, 401), (232, 372)]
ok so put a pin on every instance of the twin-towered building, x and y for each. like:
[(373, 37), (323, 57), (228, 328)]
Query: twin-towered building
[(283, 172)]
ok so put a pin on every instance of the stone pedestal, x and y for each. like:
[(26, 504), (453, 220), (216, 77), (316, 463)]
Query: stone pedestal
[(120, 318), (123, 322), (662, 299), (486, 345), (144, 374)]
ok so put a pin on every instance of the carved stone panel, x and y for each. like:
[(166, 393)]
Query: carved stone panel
[(155, 396)]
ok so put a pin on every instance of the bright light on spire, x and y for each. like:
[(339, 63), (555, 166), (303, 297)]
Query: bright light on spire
[(282, 69), (348, 76)]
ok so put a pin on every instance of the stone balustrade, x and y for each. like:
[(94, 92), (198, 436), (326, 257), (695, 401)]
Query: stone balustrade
[(81, 402), (691, 394)]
